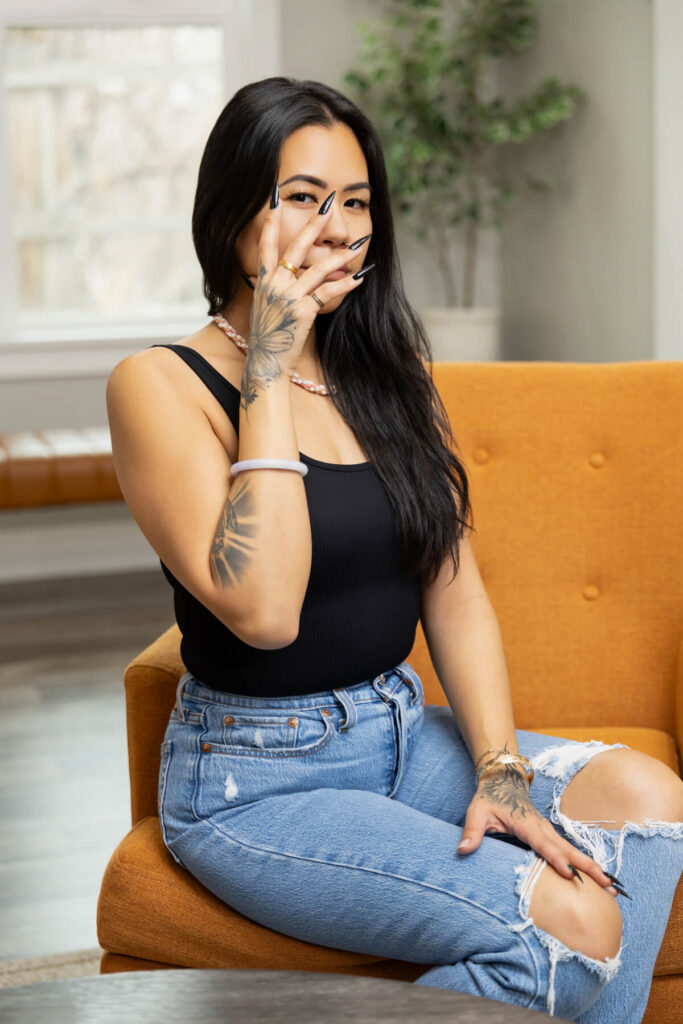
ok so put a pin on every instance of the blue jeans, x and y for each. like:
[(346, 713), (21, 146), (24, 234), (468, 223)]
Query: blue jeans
[(334, 818)]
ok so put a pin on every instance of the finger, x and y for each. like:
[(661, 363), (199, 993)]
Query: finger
[(567, 859), (588, 866), (472, 833), (331, 289), (575, 858), (268, 245), (316, 275), (298, 247)]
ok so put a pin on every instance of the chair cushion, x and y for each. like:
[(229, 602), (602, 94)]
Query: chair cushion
[(151, 907)]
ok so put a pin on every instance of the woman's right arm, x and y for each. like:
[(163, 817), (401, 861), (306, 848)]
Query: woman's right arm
[(241, 545)]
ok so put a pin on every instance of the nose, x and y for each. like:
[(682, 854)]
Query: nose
[(336, 229)]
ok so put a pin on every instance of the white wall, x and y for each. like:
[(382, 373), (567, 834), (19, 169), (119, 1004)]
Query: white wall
[(668, 194), (577, 267)]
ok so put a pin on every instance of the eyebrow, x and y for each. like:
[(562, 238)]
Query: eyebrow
[(323, 184)]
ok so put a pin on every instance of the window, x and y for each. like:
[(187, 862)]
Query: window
[(104, 120), (106, 127)]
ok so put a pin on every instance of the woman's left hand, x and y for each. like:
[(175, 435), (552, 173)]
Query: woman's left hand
[(502, 803)]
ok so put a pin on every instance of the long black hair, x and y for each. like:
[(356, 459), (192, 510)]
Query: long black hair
[(369, 347)]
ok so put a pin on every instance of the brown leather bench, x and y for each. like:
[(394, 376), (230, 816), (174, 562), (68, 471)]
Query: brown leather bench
[(54, 467)]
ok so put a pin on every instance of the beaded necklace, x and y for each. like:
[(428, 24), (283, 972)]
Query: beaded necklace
[(309, 385)]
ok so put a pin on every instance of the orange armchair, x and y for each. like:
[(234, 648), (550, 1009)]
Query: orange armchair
[(576, 482)]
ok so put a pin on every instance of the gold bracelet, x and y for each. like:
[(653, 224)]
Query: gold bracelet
[(507, 759), (492, 750)]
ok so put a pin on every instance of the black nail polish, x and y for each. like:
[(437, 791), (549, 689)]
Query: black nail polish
[(275, 196), (359, 241), (363, 270), (613, 877), (575, 872), (622, 892), (328, 202)]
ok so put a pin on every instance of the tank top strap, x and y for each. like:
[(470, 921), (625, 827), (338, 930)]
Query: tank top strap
[(225, 393)]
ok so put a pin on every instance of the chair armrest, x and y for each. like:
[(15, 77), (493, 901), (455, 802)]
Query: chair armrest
[(678, 698)]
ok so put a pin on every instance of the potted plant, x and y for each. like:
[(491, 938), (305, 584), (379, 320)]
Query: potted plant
[(427, 83)]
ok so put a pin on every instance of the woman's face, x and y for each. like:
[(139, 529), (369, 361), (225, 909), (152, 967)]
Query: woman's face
[(333, 156)]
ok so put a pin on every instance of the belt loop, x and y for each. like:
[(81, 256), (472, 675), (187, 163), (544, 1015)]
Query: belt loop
[(350, 708), (179, 694), (379, 684), (410, 682)]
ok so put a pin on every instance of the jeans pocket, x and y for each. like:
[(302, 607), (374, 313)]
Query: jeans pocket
[(246, 733), (266, 755)]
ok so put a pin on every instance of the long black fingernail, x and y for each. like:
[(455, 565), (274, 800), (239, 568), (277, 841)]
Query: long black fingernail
[(328, 202), (275, 196), (363, 270), (575, 872), (359, 241), (622, 892), (613, 877)]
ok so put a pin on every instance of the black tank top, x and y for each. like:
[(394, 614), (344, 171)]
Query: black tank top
[(361, 606)]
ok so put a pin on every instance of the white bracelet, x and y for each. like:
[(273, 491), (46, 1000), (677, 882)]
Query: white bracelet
[(299, 467)]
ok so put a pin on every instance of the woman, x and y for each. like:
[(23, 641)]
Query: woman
[(303, 780)]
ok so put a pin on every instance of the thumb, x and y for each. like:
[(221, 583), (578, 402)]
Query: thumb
[(471, 836)]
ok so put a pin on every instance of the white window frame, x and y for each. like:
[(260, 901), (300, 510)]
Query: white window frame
[(252, 52)]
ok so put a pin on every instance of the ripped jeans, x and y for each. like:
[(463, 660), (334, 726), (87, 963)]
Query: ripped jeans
[(334, 818)]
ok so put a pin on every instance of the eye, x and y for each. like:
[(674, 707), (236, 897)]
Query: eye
[(307, 195)]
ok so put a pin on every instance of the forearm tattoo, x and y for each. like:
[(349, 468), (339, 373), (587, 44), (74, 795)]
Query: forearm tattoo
[(507, 786), (232, 545), (271, 323)]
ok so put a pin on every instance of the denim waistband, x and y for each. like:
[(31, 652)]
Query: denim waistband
[(383, 686)]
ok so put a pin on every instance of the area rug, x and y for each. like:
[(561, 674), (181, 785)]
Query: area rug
[(79, 964)]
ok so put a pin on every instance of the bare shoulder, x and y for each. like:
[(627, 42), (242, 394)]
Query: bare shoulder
[(163, 361), (166, 379)]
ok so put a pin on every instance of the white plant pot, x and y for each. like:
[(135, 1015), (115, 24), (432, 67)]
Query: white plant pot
[(460, 335)]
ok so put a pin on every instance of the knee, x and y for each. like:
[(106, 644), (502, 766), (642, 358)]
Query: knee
[(627, 781), (586, 918)]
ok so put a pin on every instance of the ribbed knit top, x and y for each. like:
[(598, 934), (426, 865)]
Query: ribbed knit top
[(361, 606)]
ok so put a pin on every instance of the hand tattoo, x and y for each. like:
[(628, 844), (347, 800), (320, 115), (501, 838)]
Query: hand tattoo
[(271, 325), (507, 786)]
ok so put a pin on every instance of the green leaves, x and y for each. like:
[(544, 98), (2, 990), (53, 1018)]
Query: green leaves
[(426, 79)]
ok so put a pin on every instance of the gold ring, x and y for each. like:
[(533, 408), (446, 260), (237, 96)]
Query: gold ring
[(287, 265), (319, 301)]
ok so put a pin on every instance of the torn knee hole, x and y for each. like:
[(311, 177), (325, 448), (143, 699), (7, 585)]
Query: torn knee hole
[(529, 873), (585, 918)]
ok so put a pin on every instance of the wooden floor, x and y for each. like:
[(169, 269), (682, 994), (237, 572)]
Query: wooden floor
[(64, 794)]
